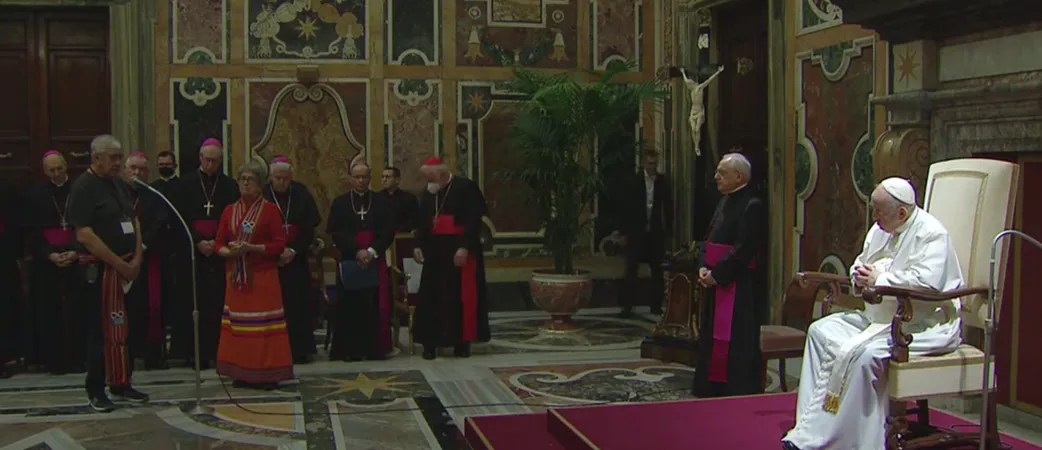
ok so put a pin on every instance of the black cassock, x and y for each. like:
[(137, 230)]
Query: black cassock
[(403, 207), (172, 245), (729, 363), (363, 320), (11, 249), (147, 330), (201, 199), (453, 305), (57, 330), (300, 216)]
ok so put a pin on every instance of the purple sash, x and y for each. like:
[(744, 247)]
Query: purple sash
[(723, 313), (60, 237), (206, 227)]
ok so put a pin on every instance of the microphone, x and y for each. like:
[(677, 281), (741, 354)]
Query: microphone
[(198, 409)]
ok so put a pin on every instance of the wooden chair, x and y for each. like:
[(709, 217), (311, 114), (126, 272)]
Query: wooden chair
[(404, 301), (318, 275), (787, 339), (974, 199)]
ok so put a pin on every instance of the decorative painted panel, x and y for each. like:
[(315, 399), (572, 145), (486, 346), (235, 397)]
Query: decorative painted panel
[(835, 136), (321, 128), (816, 15), (616, 31), (484, 113), (318, 31), (198, 110), (500, 33), (199, 31), (413, 32), (412, 123)]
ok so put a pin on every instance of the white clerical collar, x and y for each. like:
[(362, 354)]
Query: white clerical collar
[(360, 193), (737, 189), (66, 180), (171, 177), (908, 222)]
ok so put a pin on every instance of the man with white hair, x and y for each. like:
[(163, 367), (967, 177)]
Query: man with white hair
[(300, 216), (57, 331), (843, 401), (453, 307), (145, 299), (101, 211), (201, 197), (735, 304)]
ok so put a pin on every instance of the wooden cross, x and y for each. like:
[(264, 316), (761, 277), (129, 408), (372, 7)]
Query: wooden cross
[(208, 206)]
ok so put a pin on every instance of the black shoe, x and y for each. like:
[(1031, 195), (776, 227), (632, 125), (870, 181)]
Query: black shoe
[(462, 351), (656, 310), (786, 445), (129, 394), (307, 359), (430, 353), (101, 403), (626, 313)]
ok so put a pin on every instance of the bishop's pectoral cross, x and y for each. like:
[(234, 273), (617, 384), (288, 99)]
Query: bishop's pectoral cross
[(285, 227), (64, 224), (208, 206), (362, 213)]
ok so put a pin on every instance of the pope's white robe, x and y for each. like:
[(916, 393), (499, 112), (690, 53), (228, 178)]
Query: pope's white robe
[(844, 356)]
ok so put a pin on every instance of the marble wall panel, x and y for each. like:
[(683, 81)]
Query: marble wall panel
[(412, 124), (321, 128), (834, 173), (534, 33), (816, 15), (199, 109), (616, 31), (413, 32), (199, 31), (484, 113), (316, 31)]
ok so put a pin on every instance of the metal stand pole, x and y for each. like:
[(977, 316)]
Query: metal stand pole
[(198, 409), (989, 333)]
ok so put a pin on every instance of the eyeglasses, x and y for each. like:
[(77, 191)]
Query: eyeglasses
[(247, 180)]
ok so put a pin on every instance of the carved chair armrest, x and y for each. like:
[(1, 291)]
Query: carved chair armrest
[(833, 283), (898, 338), (875, 295)]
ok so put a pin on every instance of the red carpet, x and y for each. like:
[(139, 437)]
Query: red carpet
[(754, 423)]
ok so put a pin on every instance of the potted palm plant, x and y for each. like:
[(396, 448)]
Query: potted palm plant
[(567, 127)]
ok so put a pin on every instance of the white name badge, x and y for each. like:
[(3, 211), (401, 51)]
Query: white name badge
[(128, 227)]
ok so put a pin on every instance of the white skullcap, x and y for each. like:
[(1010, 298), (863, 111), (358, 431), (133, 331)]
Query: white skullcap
[(899, 188)]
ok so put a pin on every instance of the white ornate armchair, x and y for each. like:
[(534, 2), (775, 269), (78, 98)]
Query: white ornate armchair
[(975, 200)]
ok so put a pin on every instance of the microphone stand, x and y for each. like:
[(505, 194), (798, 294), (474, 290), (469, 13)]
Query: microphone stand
[(198, 409)]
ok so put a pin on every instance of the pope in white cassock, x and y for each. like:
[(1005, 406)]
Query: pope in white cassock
[(843, 400)]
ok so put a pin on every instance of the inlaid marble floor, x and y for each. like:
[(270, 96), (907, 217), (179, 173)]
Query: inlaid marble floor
[(402, 403)]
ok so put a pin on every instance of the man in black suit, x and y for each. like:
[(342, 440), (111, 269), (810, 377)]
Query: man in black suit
[(647, 226), (403, 203)]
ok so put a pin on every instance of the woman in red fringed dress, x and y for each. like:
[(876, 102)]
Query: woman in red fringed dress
[(254, 347)]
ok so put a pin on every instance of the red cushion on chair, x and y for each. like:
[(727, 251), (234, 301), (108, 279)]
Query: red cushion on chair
[(780, 338)]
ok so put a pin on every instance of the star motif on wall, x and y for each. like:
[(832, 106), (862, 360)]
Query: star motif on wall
[(362, 383), (476, 101), (908, 66), (307, 28)]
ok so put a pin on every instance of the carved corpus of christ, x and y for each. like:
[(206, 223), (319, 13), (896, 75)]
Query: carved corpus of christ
[(698, 112)]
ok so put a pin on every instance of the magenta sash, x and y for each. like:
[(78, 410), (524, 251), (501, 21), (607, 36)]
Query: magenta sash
[(59, 237), (155, 320), (363, 239), (723, 314), (206, 227)]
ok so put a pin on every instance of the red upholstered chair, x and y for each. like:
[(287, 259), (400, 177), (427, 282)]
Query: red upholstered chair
[(404, 301)]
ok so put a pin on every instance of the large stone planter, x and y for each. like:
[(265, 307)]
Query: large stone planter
[(561, 295)]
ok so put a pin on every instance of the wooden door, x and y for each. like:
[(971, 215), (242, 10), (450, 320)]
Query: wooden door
[(742, 50), (54, 74)]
